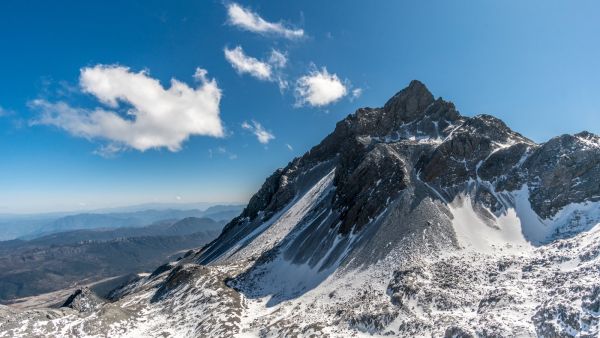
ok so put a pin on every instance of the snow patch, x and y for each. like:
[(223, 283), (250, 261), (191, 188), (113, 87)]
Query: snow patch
[(473, 233), (571, 219)]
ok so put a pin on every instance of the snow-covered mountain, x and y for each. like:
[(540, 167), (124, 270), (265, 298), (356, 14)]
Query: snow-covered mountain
[(408, 220)]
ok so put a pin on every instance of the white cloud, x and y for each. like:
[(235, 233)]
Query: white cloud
[(244, 64), (269, 70), (156, 117), (278, 59), (251, 21), (356, 93), (319, 88), (259, 131), (290, 148), (283, 84)]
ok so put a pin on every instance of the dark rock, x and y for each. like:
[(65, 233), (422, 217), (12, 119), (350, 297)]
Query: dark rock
[(83, 300), (564, 170), (162, 269), (410, 103), (457, 332)]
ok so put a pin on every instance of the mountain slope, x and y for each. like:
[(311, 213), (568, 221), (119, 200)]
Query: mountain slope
[(407, 220)]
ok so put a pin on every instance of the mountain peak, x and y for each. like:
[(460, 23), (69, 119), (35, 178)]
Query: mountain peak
[(417, 85), (411, 102), (413, 111)]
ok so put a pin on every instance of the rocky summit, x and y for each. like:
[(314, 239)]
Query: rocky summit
[(407, 220)]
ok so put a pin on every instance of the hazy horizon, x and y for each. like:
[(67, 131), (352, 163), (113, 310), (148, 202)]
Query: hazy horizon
[(123, 208)]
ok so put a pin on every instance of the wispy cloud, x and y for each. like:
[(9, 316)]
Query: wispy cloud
[(259, 131), (246, 19), (244, 64), (319, 88), (269, 70), (223, 152), (278, 59), (290, 148), (355, 94), (157, 117), (108, 151)]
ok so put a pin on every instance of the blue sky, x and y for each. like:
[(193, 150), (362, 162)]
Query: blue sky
[(534, 64)]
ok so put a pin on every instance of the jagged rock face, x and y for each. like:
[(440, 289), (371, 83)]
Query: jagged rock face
[(503, 161), (410, 103), (456, 160), (407, 220), (346, 145), (380, 175), (373, 153), (359, 151), (564, 170), (271, 195)]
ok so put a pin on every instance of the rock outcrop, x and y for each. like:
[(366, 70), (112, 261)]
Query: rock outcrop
[(83, 300)]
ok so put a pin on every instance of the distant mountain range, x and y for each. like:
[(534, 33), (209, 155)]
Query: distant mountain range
[(164, 206), (33, 226), (60, 260)]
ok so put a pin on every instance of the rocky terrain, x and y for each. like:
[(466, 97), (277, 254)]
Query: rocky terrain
[(407, 220)]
